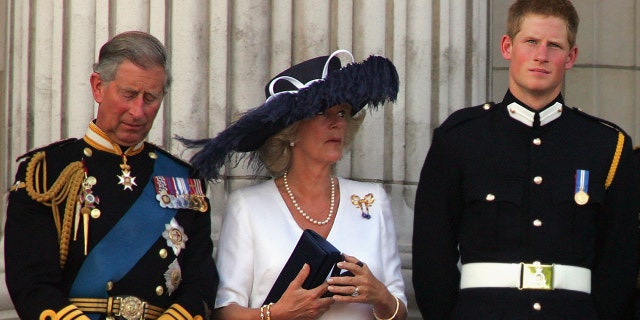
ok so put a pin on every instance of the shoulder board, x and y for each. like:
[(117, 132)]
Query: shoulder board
[(466, 114), (58, 144), (157, 148), (600, 120)]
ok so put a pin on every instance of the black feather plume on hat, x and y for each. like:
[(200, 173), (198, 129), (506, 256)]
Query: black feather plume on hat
[(371, 82)]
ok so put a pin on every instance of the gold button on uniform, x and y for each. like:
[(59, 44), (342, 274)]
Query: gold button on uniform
[(163, 253), (159, 290), (87, 152), (109, 286), (486, 106), (490, 197), (537, 306), (537, 223), (537, 180), (153, 155), (537, 141)]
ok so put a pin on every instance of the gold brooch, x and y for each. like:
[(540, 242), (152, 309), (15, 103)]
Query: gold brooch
[(363, 203)]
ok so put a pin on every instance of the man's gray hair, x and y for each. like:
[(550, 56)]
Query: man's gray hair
[(141, 48)]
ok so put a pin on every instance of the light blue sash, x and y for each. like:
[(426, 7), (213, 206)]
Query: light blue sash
[(133, 235)]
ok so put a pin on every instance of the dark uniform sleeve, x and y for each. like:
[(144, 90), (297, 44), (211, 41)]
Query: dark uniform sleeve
[(32, 263), (438, 206), (636, 307), (615, 271)]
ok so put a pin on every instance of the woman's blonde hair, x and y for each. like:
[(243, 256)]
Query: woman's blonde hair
[(275, 153)]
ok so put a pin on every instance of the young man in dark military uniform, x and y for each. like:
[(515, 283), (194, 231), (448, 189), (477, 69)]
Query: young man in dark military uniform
[(537, 200), (109, 226)]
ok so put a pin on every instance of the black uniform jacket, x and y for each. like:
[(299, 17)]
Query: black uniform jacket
[(531, 215), (34, 276)]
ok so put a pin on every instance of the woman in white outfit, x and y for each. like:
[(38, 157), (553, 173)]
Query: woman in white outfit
[(298, 134)]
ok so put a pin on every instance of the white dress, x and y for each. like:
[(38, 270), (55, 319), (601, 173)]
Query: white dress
[(259, 233)]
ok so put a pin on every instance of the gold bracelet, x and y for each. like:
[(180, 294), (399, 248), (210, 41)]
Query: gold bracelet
[(395, 313), (269, 311), (262, 313)]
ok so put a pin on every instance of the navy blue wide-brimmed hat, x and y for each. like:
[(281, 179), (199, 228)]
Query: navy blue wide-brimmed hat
[(299, 93)]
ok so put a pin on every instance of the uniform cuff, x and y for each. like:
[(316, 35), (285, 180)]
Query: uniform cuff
[(67, 313), (176, 311)]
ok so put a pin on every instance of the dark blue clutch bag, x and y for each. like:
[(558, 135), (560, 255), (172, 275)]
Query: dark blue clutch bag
[(314, 250)]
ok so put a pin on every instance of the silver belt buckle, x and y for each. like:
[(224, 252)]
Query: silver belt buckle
[(536, 276), (131, 308)]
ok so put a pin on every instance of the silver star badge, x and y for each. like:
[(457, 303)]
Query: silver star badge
[(176, 238), (173, 277)]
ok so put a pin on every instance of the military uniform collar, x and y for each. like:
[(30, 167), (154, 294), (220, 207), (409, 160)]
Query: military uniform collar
[(522, 113), (96, 138)]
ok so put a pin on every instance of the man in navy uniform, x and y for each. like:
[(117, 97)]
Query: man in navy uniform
[(636, 155), (536, 200), (109, 226)]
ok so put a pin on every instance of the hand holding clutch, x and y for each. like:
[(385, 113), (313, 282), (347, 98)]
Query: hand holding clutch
[(314, 250)]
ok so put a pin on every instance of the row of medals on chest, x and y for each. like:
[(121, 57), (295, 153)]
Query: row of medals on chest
[(87, 201)]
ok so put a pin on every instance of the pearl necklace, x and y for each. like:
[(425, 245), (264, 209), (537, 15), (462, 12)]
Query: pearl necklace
[(304, 214)]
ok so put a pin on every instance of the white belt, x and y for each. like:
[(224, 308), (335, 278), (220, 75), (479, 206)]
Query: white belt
[(525, 276)]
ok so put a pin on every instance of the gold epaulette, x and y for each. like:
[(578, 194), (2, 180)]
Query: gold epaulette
[(65, 188), (614, 162)]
